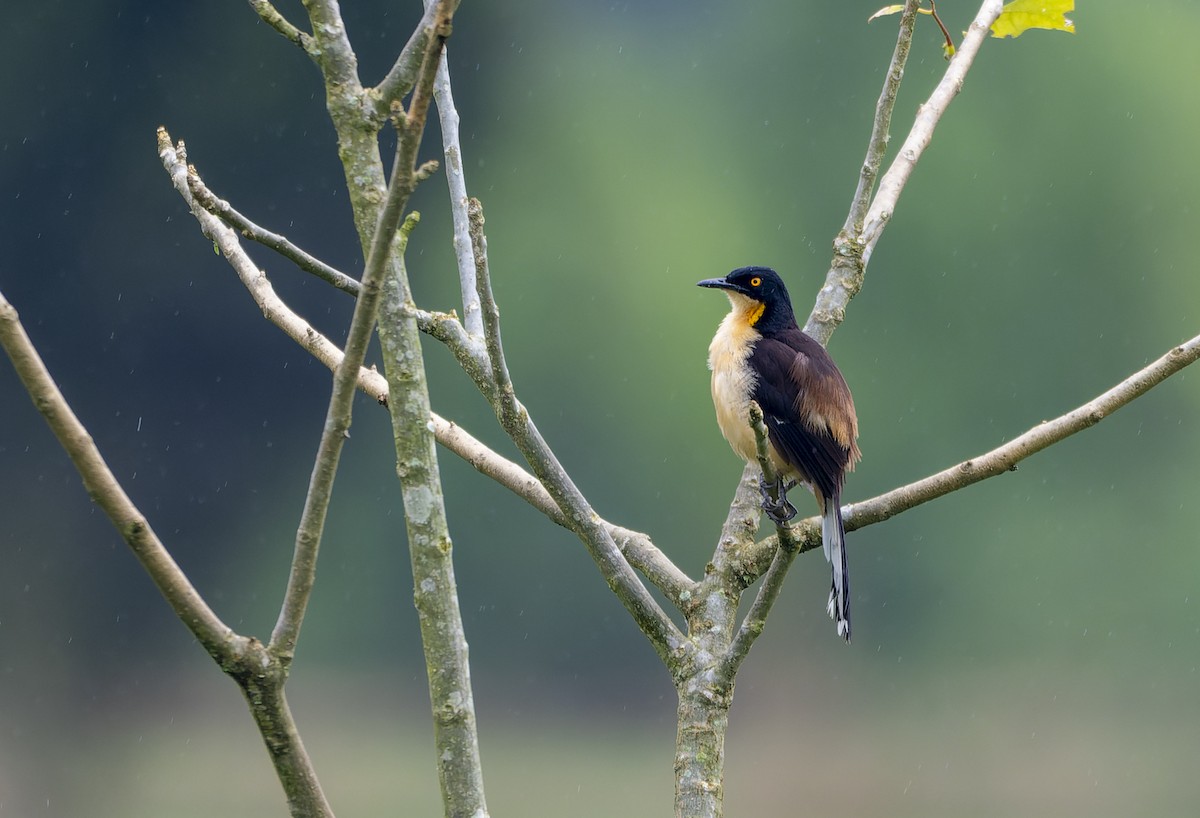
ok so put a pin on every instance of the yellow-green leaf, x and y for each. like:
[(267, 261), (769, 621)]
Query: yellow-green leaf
[(1021, 15), (885, 11)]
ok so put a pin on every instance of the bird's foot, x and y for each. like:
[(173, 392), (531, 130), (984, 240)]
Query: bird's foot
[(775, 502)]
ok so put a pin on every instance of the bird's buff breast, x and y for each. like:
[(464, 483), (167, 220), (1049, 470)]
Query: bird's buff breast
[(733, 382)]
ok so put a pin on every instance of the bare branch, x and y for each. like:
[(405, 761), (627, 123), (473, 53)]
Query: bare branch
[(243, 658), (103, 487), (256, 281), (998, 461), (443, 326), (501, 380), (280, 244), (456, 180), (430, 547), (928, 116), (514, 418), (262, 685), (345, 377), (403, 74), (333, 53), (853, 251), (271, 16), (881, 127)]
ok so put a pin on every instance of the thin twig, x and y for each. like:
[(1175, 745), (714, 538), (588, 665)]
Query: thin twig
[(280, 244), (271, 16), (501, 380), (443, 326), (456, 181), (663, 634), (928, 116), (881, 126), (949, 46), (997, 461), (855, 243)]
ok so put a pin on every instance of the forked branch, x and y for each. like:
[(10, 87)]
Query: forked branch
[(861, 232)]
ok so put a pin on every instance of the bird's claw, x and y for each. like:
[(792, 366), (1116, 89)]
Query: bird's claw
[(778, 510)]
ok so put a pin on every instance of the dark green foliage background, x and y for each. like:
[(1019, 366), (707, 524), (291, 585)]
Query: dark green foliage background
[(1028, 646)]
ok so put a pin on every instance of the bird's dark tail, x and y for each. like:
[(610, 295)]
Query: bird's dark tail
[(833, 537)]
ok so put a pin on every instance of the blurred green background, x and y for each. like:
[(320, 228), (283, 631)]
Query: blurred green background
[(1028, 646)]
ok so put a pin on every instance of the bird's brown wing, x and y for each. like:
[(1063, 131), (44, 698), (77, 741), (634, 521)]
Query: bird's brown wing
[(807, 407)]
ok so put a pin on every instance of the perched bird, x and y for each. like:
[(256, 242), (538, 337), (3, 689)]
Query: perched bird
[(760, 354)]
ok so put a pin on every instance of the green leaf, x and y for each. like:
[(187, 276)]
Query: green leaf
[(1021, 15)]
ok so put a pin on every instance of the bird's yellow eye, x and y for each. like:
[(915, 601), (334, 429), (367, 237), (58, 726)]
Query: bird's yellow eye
[(756, 282)]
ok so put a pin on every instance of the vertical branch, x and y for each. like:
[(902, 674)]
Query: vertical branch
[(430, 549), (338, 416), (881, 126), (460, 771), (457, 182), (703, 720), (705, 692), (489, 309)]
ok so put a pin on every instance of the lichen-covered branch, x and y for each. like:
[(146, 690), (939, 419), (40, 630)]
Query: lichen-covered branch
[(262, 685), (338, 416), (271, 16), (429, 545), (704, 687), (435, 595), (402, 77)]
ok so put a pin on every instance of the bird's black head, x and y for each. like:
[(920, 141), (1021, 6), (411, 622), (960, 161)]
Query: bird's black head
[(759, 293)]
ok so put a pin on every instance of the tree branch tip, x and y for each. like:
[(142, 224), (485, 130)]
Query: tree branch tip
[(756, 414), (410, 223), (426, 170)]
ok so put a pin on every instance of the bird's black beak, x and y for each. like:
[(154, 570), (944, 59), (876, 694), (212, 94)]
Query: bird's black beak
[(718, 284)]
